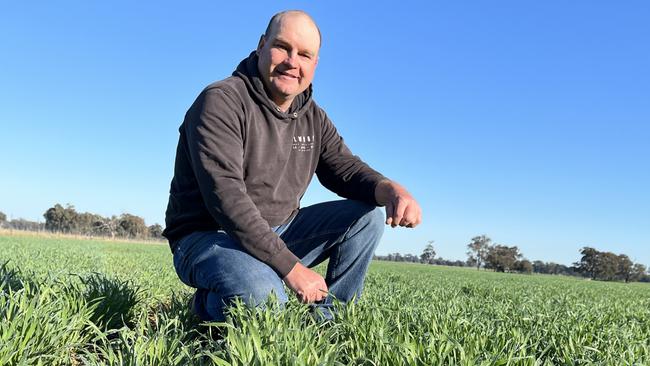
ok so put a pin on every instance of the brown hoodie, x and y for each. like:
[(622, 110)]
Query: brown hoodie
[(242, 165)]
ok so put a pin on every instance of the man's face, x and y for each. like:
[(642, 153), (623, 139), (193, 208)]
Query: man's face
[(288, 58)]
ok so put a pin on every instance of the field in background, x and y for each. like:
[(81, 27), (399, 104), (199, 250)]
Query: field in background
[(74, 301)]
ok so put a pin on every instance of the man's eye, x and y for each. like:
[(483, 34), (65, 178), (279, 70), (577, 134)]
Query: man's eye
[(304, 55)]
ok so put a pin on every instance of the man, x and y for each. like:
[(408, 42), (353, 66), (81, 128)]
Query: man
[(248, 148)]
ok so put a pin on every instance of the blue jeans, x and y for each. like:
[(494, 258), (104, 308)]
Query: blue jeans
[(347, 232)]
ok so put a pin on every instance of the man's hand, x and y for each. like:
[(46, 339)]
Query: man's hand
[(401, 207), (308, 285)]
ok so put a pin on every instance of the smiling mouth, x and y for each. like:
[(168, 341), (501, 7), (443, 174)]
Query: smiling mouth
[(280, 73)]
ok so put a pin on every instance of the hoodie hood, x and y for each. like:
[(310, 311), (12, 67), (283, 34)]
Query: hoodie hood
[(247, 71)]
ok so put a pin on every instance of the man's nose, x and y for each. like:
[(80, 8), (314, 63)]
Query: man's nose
[(292, 60)]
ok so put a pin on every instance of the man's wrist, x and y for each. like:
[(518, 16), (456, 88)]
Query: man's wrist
[(283, 262), (383, 192)]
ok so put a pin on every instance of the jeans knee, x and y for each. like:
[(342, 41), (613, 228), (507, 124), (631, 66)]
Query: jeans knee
[(250, 293), (260, 293), (375, 221), (367, 230)]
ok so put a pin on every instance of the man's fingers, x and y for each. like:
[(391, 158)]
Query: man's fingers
[(302, 298), (313, 297), (411, 218), (306, 299), (419, 220), (317, 294), (399, 212), (389, 213), (401, 207), (309, 286)]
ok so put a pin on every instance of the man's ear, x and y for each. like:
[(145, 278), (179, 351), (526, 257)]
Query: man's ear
[(260, 44)]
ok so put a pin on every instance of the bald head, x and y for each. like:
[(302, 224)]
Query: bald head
[(288, 55), (277, 19)]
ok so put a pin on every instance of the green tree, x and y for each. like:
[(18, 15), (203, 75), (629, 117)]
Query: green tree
[(107, 226), (606, 266), (132, 226), (60, 219), (589, 262), (412, 258), (3, 219), (624, 268), (638, 272), (396, 257), (88, 224), (502, 258), (428, 254), (477, 250), (155, 231), (523, 266)]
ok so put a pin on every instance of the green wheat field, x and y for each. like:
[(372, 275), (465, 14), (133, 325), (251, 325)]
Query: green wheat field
[(67, 301)]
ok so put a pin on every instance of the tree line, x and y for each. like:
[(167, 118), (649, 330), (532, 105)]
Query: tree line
[(594, 264), (66, 220), (481, 253), (428, 256), (608, 266)]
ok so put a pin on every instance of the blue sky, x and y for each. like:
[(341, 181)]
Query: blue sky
[(527, 122)]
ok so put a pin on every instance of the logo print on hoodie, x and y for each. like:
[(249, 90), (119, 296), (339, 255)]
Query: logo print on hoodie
[(303, 143)]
